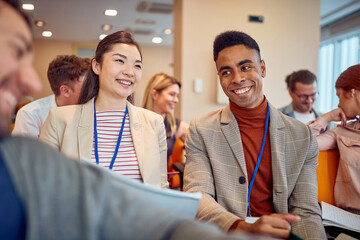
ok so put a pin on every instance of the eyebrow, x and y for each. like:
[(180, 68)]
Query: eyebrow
[(123, 56), (239, 64), (28, 45), (244, 61)]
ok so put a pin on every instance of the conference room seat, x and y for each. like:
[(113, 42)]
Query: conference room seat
[(326, 175), (175, 165)]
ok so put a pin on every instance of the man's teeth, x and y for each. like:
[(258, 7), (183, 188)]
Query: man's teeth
[(125, 83), (10, 98), (242, 90)]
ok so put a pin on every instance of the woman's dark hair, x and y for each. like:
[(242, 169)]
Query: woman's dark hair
[(90, 87)]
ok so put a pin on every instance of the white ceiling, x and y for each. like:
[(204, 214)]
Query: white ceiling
[(81, 20)]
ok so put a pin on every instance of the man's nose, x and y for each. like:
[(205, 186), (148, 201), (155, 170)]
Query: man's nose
[(309, 99), (29, 81), (238, 77)]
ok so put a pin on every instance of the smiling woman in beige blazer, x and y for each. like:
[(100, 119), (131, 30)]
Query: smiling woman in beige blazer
[(119, 136)]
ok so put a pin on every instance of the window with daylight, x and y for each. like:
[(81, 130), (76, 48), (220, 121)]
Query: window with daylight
[(335, 56)]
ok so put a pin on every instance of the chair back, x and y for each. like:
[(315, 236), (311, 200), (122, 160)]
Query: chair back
[(177, 156), (326, 175)]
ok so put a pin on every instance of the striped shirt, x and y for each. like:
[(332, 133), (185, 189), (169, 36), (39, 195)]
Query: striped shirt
[(108, 128)]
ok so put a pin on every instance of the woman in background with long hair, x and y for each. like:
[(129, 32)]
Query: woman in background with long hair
[(161, 96)]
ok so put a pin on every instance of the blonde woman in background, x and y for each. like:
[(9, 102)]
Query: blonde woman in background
[(161, 96)]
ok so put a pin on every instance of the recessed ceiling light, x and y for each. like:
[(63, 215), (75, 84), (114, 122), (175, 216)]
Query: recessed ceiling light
[(110, 12), (106, 27), (168, 31), (39, 23), (28, 6), (157, 40), (46, 34), (102, 36)]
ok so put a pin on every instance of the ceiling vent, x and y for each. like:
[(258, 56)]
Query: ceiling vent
[(145, 22), (154, 7), (140, 31)]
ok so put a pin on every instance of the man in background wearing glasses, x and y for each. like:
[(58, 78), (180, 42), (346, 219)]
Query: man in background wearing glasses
[(302, 87)]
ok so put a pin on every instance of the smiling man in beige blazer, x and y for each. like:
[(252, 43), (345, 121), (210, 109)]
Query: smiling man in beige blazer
[(227, 148)]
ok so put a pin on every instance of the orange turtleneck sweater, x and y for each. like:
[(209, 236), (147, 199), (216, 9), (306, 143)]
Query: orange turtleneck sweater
[(251, 122)]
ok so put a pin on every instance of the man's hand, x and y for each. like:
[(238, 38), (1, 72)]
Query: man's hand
[(274, 225)]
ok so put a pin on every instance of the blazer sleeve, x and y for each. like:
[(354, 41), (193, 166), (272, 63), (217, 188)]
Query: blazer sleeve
[(198, 178), (49, 131), (303, 200), (163, 154)]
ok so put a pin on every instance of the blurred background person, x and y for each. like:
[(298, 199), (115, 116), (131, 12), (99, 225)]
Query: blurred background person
[(345, 138), (161, 96), (302, 87), (66, 74), (106, 129)]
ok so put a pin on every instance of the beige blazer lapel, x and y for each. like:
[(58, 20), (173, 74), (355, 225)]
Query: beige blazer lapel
[(86, 130), (231, 132), (277, 141), (136, 129)]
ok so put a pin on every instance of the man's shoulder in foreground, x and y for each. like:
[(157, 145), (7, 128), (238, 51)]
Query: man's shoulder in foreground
[(294, 132), (213, 117), (287, 110)]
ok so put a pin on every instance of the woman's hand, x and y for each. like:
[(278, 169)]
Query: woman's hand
[(336, 115)]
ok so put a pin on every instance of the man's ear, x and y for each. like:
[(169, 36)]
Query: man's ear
[(263, 68), (65, 90), (95, 66), (291, 93)]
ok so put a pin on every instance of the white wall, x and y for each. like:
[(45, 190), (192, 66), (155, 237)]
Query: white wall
[(45, 52), (155, 59)]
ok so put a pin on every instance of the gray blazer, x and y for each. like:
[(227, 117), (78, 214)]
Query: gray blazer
[(63, 199), (70, 129), (215, 162)]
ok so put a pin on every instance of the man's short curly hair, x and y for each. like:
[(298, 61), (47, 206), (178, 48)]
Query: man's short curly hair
[(66, 70), (232, 38)]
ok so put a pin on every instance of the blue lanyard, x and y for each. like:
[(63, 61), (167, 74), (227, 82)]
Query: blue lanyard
[(259, 158), (118, 140)]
